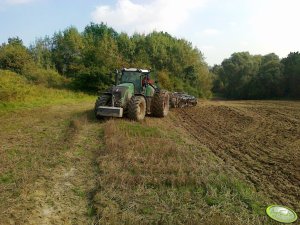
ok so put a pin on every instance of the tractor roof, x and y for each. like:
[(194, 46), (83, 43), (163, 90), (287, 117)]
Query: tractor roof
[(136, 70)]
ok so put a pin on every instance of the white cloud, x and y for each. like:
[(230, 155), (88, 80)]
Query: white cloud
[(17, 2), (4, 4), (160, 15)]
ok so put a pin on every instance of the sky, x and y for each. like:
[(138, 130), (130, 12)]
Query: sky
[(217, 28)]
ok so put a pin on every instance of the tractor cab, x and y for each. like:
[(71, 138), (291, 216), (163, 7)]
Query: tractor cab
[(138, 77)]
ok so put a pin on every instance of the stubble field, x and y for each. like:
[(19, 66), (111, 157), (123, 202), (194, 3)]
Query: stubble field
[(221, 162)]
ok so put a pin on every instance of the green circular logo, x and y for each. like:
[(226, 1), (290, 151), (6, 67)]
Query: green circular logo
[(281, 214)]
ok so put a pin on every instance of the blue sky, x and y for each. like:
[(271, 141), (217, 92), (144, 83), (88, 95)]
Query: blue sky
[(217, 27)]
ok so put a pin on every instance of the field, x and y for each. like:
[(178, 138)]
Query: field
[(261, 140), (221, 162)]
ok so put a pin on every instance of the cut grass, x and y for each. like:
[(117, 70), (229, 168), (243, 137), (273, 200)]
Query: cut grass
[(147, 177), (46, 164), (135, 129)]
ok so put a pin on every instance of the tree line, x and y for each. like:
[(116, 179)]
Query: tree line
[(86, 60), (246, 76)]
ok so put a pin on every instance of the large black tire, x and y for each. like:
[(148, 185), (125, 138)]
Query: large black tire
[(136, 108), (160, 104), (101, 101)]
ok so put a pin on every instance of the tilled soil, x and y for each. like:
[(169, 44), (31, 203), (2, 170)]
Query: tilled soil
[(260, 139)]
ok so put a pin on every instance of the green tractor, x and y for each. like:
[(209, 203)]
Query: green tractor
[(134, 96)]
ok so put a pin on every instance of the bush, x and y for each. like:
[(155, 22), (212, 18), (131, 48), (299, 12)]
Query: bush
[(46, 77), (14, 56), (164, 80), (12, 87), (17, 91)]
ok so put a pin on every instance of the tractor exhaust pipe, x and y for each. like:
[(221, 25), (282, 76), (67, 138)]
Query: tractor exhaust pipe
[(116, 77)]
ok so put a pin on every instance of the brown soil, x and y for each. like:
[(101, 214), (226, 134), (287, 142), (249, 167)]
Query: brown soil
[(260, 139)]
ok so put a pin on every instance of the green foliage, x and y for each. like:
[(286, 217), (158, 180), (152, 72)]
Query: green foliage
[(164, 79), (86, 61), (67, 51), (268, 82), (46, 77), (17, 92), (12, 87), (14, 56), (292, 74), (237, 72), (244, 76), (89, 58), (34, 64), (41, 52), (175, 60)]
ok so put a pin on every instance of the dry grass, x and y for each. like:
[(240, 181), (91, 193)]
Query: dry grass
[(152, 173), (61, 166), (47, 169)]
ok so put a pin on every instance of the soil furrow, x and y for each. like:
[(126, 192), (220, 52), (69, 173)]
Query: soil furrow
[(254, 140)]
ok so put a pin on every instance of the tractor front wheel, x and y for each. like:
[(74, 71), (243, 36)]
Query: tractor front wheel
[(101, 101), (137, 108)]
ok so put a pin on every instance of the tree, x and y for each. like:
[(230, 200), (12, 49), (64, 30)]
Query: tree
[(164, 80), (292, 74), (237, 73), (126, 49), (14, 56), (67, 52), (218, 85), (41, 52), (100, 57), (268, 82)]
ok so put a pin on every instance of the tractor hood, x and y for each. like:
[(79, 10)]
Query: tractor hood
[(122, 94)]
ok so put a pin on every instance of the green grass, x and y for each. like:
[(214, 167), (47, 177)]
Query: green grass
[(147, 177), (138, 130), (6, 178), (17, 93), (79, 192), (232, 194)]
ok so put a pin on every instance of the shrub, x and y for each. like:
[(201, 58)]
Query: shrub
[(12, 86), (46, 77)]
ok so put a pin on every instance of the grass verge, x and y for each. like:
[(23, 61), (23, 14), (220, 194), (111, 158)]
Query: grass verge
[(17, 93)]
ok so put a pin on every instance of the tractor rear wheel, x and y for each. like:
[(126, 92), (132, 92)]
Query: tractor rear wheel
[(101, 101), (160, 104), (137, 108)]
